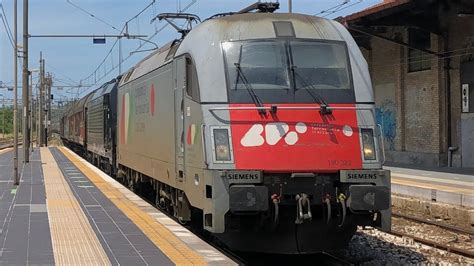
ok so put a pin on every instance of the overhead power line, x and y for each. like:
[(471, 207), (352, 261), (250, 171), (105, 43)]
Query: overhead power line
[(6, 25), (96, 76), (6, 29), (92, 15), (59, 73), (102, 63), (339, 7)]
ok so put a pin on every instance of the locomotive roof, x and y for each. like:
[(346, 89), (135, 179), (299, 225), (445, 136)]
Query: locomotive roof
[(151, 62), (235, 27), (79, 105), (104, 89)]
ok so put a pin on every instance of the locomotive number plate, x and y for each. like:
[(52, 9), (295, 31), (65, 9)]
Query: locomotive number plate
[(244, 177)]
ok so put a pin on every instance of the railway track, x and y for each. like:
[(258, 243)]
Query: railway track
[(8, 143), (455, 233), (435, 223)]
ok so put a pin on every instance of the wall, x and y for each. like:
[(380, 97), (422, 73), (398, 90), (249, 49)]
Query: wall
[(413, 107), (384, 81), (408, 104)]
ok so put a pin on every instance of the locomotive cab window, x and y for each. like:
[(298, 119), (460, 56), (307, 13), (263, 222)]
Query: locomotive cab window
[(192, 84), (319, 66), (263, 64), (286, 71)]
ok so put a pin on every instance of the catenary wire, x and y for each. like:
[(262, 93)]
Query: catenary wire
[(92, 15), (130, 54), (7, 25)]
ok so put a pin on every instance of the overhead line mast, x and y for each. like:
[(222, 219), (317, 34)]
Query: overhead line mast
[(25, 87), (16, 177)]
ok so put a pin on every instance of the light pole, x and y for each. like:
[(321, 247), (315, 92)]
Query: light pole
[(32, 107), (16, 178), (41, 103), (25, 87), (290, 6), (3, 116)]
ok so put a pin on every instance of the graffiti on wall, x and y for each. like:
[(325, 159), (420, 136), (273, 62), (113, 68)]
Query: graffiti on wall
[(386, 117)]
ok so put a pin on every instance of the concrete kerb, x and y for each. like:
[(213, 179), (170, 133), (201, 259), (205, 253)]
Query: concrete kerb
[(434, 195), (460, 215)]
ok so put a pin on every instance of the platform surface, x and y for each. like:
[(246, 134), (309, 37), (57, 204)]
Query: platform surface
[(450, 188), (67, 212)]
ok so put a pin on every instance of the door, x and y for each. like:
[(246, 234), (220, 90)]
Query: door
[(179, 90), (467, 116)]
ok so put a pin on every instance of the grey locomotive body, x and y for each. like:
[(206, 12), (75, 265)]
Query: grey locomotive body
[(260, 129)]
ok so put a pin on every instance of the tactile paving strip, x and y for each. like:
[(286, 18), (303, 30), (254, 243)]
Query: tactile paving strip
[(74, 241), (173, 247)]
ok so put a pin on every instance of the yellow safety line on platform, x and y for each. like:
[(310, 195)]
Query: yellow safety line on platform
[(412, 183), (164, 239), (73, 239)]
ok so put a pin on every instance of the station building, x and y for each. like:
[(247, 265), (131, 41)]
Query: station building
[(421, 58)]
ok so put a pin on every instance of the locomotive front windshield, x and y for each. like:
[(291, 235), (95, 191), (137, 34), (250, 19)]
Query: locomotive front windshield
[(263, 63), (284, 71)]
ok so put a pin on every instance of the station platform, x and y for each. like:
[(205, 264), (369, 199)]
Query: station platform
[(67, 212), (443, 187)]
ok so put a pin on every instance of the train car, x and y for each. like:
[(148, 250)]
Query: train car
[(75, 120), (101, 126), (63, 125), (260, 129)]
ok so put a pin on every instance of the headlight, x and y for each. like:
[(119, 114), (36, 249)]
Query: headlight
[(221, 144), (368, 143)]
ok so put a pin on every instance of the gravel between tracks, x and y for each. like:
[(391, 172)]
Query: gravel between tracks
[(433, 233), (373, 247)]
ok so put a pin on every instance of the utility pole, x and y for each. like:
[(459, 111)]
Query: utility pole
[(25, 87), (120, 55), (3, 115), (49, 81), (30, 114), (40, 103), (15, 92), (290, 6), (36, 113)]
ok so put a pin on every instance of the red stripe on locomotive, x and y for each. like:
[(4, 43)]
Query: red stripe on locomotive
[(296, 140)]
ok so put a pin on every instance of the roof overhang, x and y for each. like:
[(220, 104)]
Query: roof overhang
[(427, 15)]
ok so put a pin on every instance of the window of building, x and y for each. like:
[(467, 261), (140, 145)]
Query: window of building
[(192, 86), (418, 60)]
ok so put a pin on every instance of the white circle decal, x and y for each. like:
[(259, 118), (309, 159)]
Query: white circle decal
[(347, 131), (291, 138), (301, 128)]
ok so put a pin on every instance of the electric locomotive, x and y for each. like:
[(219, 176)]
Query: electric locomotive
[(258, 128)]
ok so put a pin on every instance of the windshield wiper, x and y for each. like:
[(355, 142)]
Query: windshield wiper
[(325, 108), (240, 76)]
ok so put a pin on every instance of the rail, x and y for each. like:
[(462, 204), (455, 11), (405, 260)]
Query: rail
[(269, 108), (447, 247), (442, 225), (459, 251), (8, 143)]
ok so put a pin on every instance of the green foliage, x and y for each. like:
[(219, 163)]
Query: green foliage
[(6, 115)]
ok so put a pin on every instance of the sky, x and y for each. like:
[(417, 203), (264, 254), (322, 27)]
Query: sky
[(72, 60)]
